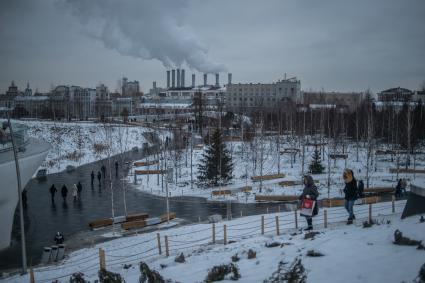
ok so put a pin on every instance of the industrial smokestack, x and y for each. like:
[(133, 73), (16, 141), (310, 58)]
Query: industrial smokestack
[(205, 79), (173, 78), (154, 85), (168, 79), (217, 80), (178, 78), (193, 80), (182, 84), (229, 78)]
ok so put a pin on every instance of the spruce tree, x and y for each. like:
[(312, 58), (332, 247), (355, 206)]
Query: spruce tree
[(316, 166), (216, 164)]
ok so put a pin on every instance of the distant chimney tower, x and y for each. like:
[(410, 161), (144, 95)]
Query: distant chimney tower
[(217, 80), (205, 79), (193, 80), (154, 85), (182, 83), (168, 79), (173, 78), (229, 78), (178, 78)]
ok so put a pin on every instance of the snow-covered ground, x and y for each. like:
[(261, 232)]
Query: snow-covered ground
[(244, 156), (351, 253), (81, 143)]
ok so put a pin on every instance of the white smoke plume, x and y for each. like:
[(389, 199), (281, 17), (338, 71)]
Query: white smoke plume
[(148, 29)]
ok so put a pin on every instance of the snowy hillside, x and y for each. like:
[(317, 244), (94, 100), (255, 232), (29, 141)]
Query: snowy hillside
[(247, 163), (350, 253), (80, 143)]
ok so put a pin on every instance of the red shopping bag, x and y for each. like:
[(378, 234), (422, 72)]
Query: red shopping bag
[(307, 207)]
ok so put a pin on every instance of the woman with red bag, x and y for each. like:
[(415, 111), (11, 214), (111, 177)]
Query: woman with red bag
[(308, 198)]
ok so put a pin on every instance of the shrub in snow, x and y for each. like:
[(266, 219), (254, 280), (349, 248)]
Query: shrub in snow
[(110, 277), (149, 276), (273, 245), (251, 254), (180, 258), (310, 235), (219, 272), (313, 253), (235, 258), (77, 277), (421, 276), (399, 239), (295, 273)]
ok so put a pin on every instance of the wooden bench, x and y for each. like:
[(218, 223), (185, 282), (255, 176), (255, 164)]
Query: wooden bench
[(145, 163), (100, 223), (221, 192), (163, 217), (133, 224), (245, 189), (381, 190), (267, 177), (151, 172), (275, 198), (135, 217), (368, 200), (404, 170), (288, 183), (332, 202), (336, 156)]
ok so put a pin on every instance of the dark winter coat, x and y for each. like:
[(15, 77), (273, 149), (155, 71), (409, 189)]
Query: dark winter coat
[(310, 189), (53, 190), (79, 187), (99, 175), (59, 239), (92, 175), (360, 188), (350, 190), (64, 191)]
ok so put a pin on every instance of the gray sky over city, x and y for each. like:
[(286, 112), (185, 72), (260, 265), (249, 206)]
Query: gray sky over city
[(330, 44)]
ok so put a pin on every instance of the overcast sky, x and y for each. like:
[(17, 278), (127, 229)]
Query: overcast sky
[(333, 45)]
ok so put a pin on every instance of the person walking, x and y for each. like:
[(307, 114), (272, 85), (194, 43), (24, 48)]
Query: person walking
[(59, 239), (75, 192), (403, 187), (99, 176), (92, 178), (79, 188), (103, 168), (310, 192), (350, 191), (397, 192), (64, 192), (116, 169), (53, 191)]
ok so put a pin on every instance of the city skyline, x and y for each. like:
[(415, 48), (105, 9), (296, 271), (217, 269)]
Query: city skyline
[(330, 45)]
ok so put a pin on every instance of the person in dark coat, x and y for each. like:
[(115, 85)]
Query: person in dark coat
[(92, 178), (64, 192), (116, 169), (351, 193), (53, 191), (24, 198), (99, 176), (397, 192), (79, 189), (360, 188), (310, 192), (59, 239), (103, 169)]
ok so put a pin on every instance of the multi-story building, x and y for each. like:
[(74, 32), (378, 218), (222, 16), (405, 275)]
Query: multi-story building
[(130, 88), (249, 97), (395, 94), (348, 100)]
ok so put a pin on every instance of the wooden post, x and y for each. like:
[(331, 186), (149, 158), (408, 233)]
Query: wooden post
[(225, 234), (278, 208), (267, 210), (277, 225), (241, 213), (213, 233), (167, 252), (32, 278), (158, 237), (102, 262), (393, 203), (325, 214), (262, 224), (370, 213), (296, 218)]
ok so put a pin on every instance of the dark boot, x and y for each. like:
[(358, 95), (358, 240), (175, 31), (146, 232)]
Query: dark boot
[(310, 224)]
